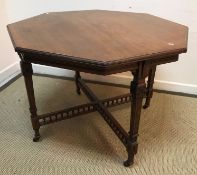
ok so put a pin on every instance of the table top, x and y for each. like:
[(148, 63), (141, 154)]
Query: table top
[(98, 36)]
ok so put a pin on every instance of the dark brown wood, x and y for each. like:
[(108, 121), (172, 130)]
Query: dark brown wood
[(98, 42), (27, 72), (77, 76), (107, 116), (150, 83), (138, 90), (81, 109)]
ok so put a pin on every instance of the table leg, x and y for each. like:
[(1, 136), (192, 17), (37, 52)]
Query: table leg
[(27, 72), (138, 89), (150, 82), (77, 76)]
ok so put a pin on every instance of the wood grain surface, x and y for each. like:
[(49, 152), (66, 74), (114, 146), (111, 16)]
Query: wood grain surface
[(98, 35)]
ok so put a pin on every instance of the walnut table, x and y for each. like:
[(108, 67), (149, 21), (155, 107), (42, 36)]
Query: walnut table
[(98, 42)]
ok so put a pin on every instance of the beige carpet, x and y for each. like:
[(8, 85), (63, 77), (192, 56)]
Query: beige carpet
[(86, 145)]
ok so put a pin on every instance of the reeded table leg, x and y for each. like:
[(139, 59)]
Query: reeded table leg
[(137, 89), (27, 72), (150, 82), (77, 76)]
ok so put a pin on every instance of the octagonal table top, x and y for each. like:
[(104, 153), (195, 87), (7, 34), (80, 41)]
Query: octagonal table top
[(99, 36)]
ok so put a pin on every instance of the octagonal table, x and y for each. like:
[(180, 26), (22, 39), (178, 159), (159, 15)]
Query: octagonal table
[(98, 42)]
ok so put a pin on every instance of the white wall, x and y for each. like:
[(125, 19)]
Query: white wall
[(8, 61), (179, 76)]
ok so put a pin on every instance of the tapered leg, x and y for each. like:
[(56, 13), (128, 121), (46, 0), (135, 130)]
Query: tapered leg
[(77, 76), (27, 72), (138, 89), (150, 82)]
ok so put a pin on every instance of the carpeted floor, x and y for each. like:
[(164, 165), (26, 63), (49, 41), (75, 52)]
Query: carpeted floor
[(86, 145)]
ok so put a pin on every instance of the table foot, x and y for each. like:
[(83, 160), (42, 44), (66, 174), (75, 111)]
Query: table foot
[(132, 150), (147, 104), (128, 163), (78, 92), (148, 98), (131, 153), (36, 136)]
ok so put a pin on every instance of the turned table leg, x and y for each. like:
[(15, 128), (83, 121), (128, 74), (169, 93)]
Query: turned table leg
[(149, 93), (77, 76), (138, 89), (27, 72)]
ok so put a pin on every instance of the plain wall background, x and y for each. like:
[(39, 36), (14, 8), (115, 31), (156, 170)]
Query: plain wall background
[(5, 44), (178, 76)]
